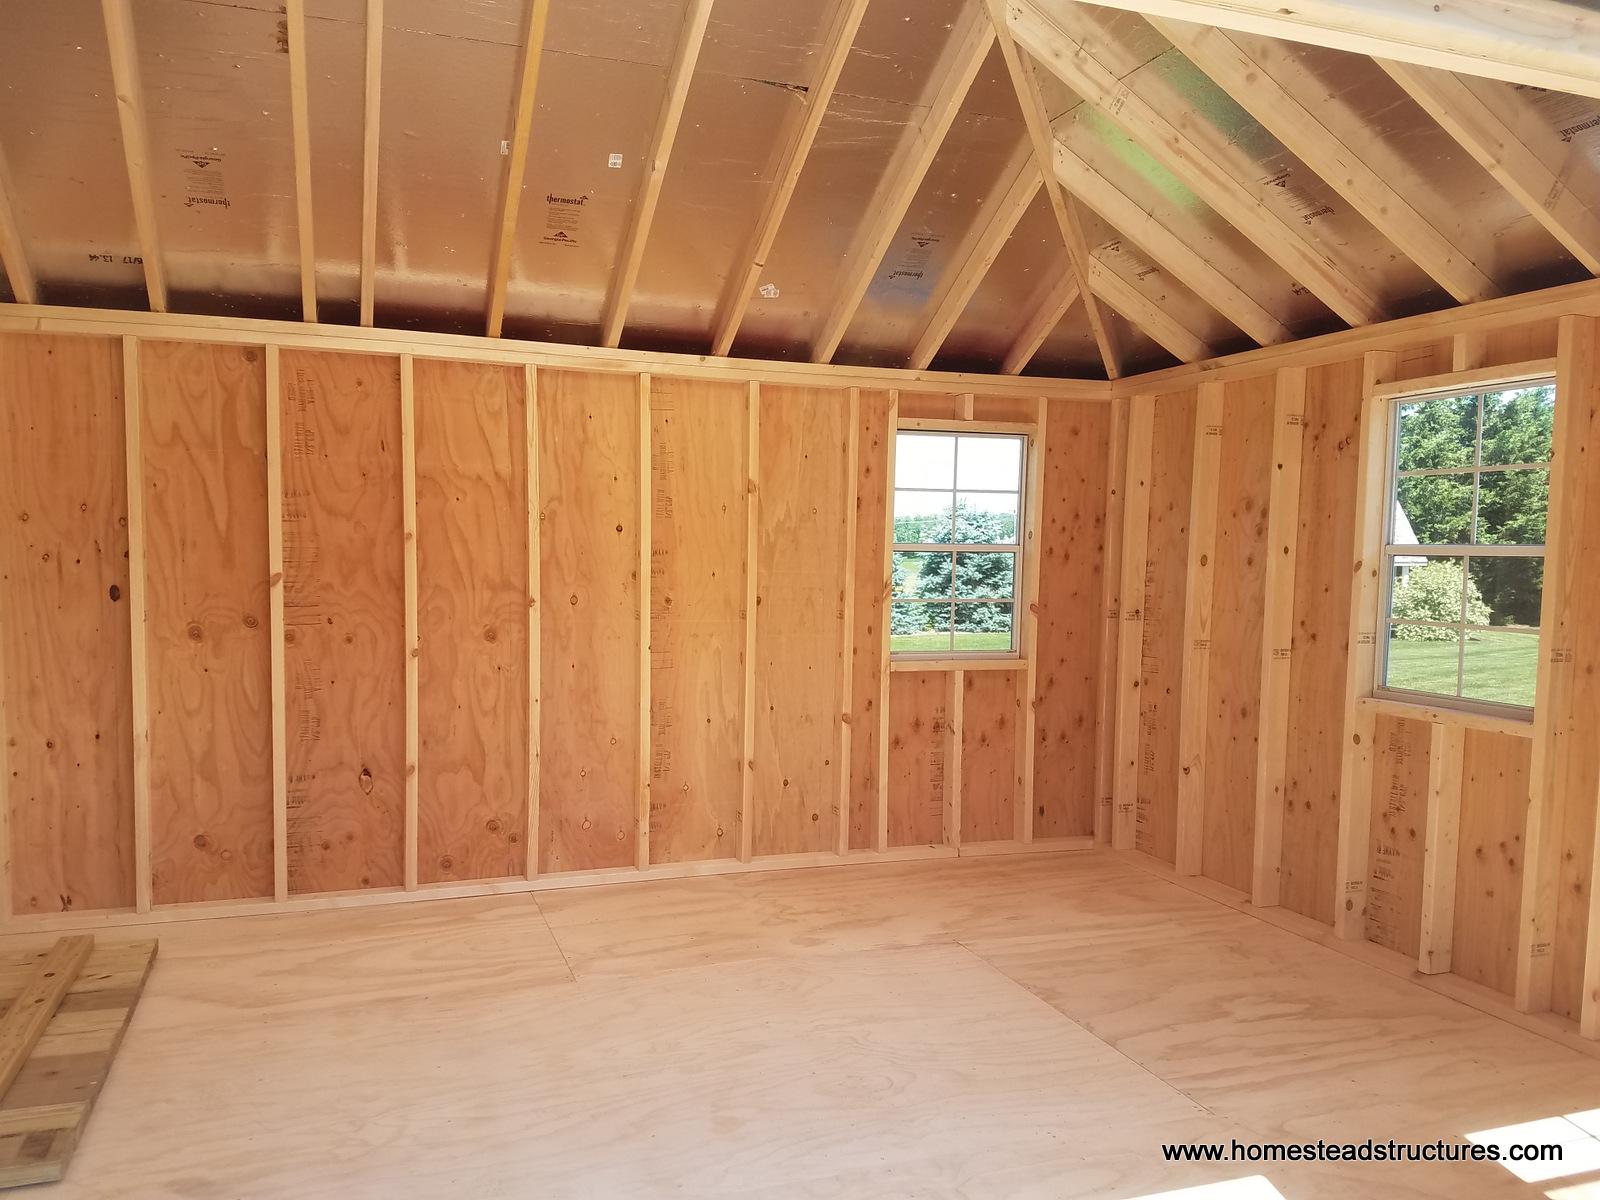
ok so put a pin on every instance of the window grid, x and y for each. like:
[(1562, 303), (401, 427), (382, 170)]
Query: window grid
[(954, 548), (1464, 552)]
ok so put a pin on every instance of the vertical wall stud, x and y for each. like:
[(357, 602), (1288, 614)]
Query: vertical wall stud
[(954, 725), (880, 835), (1277, 635), (408, 494), (133, 426), (1197, 628), (847, 619), (646, 498), (275, 586), (1356, 762), (752, 525), (1111, 607), (530, 408), (1032, 534), (1446, 761), (1130, 644)]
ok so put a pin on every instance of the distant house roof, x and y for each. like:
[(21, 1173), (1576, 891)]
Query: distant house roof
[(1404, 535)]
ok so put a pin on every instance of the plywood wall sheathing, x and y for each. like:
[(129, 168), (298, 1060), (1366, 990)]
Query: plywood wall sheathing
[(207, 627), (344, 620), (1161, 670), (65, 671), (1436, 934), (1130, 645), (919, 757), (1489, 861), (1231, 717), (1393, 858), (1071, 561), (1198, 628), (1321, 616), (989, 731), (869, 681), (697, 618), (805, 503), (472, 617), (589, 539), (1105, 763)]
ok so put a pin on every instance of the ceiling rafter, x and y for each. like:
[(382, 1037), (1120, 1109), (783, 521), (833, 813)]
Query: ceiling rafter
[(300, 118), (1546, 43), (655, 172), (371, 112), (1168, 332), (1256, 87), (1057, 292), (1059, 42), (1025, 85), (990, 230), (1165, 248), (795, 149), (13, 256), (512, 182), (1473, 112), (942, 97), (135, 144)]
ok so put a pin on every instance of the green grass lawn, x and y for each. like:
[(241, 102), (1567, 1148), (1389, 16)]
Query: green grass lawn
[(928, 643), (1500, 667)]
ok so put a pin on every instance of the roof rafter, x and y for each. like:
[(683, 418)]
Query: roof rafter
[(644, 209), (511, 182), (300, 118), (1059, 42), (1025, 84), (1167, 331), (993, 226), (795, 149), (371, 112), (135, 144), (942, 96), (1057, 292), (1546, 43), (13, 258), (1165, 248), (1473, 113), (1256, 86)]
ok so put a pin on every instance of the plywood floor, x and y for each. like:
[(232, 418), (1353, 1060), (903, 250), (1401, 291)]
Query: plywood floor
[(1016, 1027)]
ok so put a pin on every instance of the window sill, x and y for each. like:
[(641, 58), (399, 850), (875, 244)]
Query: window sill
[(1014, 662), (1443, 715)]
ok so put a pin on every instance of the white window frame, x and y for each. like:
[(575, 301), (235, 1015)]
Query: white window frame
[(1016, 550), (1465, 552)]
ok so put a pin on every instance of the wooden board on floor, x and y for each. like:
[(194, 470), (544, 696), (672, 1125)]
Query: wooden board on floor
[(344, 618), (1396, 839), (873, 488), (43, 1113), (919, 756), (1166, 570), (589, 530), (1071, 559), (1322, 583), (472, 620), (799, 609), (697, 537), (991, 723), (65, 670), (1494, 796), (1238, 583), (207, 624)]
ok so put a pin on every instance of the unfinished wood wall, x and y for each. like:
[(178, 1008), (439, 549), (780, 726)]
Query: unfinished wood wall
[(282, 625)]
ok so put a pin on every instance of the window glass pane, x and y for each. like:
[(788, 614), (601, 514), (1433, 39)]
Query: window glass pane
[(983, 627), (1426, 589), (1500, 666), (922, 517), (923, 575), (925, 460), (985, 574), (983, 518), (920, 628), (1505, 591), (1517, 426), (1433, 510), (1423, 658), (1441, 432), (1512, 506), (992, 463)]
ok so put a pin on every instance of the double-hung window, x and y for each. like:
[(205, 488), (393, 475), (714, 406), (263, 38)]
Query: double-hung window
[(956, 565), (1468, 496)]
